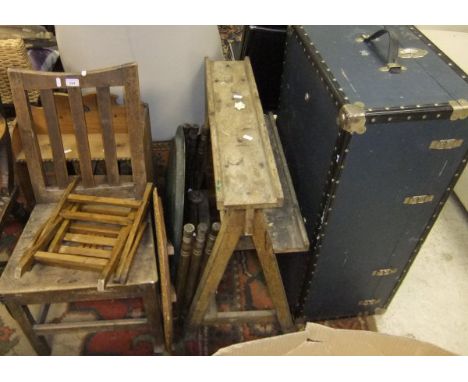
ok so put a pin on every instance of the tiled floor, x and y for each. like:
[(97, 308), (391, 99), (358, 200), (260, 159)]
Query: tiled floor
[(432, 302)]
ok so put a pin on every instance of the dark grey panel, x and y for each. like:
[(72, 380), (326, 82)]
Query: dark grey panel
[(304, 124), (355, 65), (175, 194), (293, 270), (369, 227)]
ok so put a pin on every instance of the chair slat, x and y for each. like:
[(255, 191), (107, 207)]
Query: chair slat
[(135, 130), (70, 261), (89, 239), (108, 136), (33, 80), (82, 251), (28, 137), (81, 134), (87, 228), (56, 144)]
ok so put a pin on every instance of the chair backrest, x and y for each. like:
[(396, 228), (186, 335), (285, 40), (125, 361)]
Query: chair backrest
[(126, 76)]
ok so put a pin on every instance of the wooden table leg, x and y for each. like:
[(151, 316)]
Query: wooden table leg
[(232, 227), (23, 317), (153, 313), (271, 271)]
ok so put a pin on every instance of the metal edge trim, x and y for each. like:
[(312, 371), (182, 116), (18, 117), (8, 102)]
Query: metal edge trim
[(334, 172), (321, 67), (326, 206), (441, 111)]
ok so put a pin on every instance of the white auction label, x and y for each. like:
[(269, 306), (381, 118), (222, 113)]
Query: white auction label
[(72, 82), (58, 81)]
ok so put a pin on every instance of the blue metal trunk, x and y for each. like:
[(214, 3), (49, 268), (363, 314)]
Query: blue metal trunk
[(375, 143)]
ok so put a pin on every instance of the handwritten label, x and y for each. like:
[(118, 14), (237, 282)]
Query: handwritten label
[(72, 82), (58, 81)]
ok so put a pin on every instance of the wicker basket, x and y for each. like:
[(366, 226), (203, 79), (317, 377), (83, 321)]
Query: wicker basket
[(13, 55)]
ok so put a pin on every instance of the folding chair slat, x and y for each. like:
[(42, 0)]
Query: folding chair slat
[(89, 239), (55, 243), (114, 260), (80, 198), (94, 228), (129, 259), (140, 215), (70, 261), (27, 260), (82, 251), (107, 210), (100, 218)]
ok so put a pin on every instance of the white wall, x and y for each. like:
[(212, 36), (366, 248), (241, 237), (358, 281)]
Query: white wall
[(453, 40), (170, 61)]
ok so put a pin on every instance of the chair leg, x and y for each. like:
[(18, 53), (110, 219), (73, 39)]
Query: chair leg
[(25, 320), (152, 305), (24, 182), (271, 272)]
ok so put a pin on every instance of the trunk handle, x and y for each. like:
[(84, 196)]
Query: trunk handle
[(392, 65)]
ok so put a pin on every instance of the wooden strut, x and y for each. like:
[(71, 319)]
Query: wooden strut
[(164, 272), (45, 232), (103, 239), (232, 227), (140, 215)]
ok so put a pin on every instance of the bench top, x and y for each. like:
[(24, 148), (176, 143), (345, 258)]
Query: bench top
[(244, 166)]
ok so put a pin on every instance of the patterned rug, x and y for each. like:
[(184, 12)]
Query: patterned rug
[(12, 340), (119, 342), (242, 288)]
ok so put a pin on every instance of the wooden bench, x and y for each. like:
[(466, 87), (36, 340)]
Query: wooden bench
[(254, 195)]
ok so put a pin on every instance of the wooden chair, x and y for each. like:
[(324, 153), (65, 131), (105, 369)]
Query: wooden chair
[(47, 284)]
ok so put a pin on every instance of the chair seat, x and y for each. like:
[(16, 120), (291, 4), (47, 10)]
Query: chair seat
[(44, 278)]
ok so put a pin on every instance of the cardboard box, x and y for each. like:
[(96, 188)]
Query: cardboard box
[(321, 340)]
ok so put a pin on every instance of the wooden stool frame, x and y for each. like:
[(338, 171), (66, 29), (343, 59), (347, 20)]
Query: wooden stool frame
[(247, 184), (233, 226)]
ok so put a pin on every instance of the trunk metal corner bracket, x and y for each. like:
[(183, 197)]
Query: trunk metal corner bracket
[(352, 118), (460, 109)]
